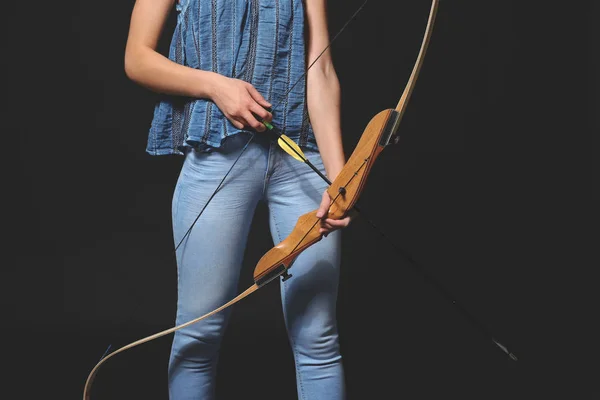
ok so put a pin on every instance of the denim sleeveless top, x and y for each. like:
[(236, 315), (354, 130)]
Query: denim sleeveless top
[(258, 41)]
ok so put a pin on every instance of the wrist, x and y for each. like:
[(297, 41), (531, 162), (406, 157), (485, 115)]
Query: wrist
[(207, 83), (334, 167)]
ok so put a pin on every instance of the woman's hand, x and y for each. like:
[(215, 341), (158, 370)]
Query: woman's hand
[(241, 103), (329, 225)]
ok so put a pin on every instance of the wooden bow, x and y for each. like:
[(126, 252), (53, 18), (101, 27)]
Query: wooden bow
[(346, 188), (344, 191)]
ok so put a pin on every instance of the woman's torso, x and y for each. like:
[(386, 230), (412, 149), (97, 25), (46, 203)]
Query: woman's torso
[(261, 42)]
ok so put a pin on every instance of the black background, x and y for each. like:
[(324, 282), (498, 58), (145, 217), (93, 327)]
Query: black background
[(490, 189)]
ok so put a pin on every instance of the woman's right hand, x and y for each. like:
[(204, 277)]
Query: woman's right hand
[(241, 103)]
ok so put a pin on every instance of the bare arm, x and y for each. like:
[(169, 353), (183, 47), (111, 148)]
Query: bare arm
[(323, 90), (147, 67), (323, 95)]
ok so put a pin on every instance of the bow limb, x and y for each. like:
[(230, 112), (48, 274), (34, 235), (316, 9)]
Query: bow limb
[(92, 375), (419, 62)]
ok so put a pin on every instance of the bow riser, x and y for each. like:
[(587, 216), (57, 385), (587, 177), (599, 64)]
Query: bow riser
[(348, 185), (277, 260), (344, 192)]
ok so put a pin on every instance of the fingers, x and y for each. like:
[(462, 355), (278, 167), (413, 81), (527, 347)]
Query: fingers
[(256, 113), (242, 104), (260, 112), (237, 123), (251, 117), (252, 122), (258, 97), (329, 225)]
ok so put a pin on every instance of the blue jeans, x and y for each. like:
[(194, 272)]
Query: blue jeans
[(210, 258)]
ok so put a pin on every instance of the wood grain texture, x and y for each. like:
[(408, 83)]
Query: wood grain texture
[(351, 179)]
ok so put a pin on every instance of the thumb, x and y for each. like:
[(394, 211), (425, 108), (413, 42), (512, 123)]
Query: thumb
[(324, 206)]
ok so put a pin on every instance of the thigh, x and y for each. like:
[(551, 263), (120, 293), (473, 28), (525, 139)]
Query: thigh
[(210, 254), (294, 190)]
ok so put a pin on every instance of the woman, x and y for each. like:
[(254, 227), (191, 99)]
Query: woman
[(229, 62)]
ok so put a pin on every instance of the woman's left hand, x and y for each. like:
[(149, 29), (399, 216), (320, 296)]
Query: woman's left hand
[(329, 225)]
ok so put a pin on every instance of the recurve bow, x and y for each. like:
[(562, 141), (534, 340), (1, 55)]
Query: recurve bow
[(344, 191)]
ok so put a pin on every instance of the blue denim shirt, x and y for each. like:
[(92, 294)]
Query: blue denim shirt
[(261, 42)]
